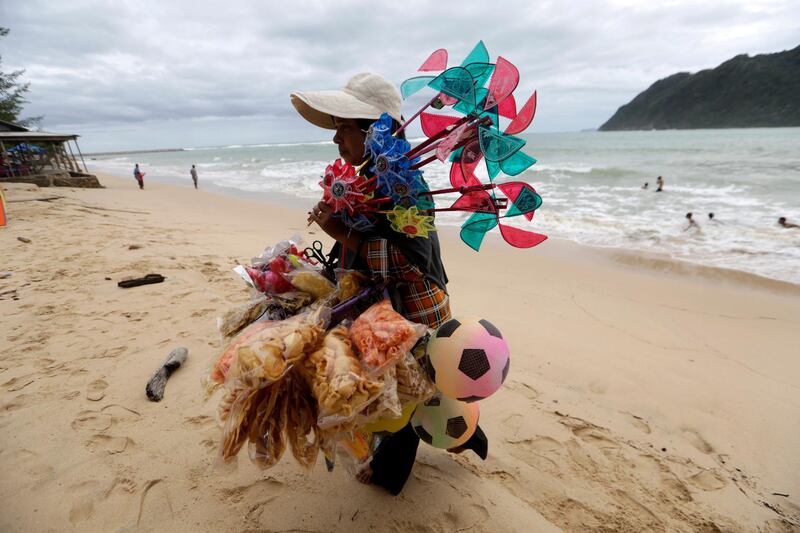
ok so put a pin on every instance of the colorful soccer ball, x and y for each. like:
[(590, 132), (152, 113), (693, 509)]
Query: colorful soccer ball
[(467, 359), (444, 422)]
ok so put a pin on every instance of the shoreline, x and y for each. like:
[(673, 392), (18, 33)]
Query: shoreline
[(646, 260), (636, 400)]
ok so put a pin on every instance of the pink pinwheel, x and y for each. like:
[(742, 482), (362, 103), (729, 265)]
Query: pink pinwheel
[(342, 187)]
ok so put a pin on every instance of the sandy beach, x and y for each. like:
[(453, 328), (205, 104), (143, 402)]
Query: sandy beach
[(644, 394)]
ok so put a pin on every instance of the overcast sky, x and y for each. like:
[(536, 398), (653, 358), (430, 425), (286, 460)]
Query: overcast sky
[(155, 74)]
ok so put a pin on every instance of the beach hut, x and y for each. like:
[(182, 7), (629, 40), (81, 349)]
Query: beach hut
[(28, 153)]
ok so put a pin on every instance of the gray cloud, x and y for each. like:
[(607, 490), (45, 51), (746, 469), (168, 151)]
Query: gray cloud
[(184, 73)]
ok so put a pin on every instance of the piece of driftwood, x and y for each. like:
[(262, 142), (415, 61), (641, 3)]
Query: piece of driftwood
[(45, 199), (147, 280), (157, 384)]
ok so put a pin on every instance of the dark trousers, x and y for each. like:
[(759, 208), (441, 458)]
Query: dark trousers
[(393, 460)]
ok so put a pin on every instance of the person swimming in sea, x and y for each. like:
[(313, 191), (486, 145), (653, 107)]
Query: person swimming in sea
[(645, 186), (692, 223), (713, 220), (782, 222)]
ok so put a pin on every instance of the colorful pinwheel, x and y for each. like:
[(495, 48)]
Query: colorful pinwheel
[(463, 87), (397, 188), (341, 187), (410, 221)]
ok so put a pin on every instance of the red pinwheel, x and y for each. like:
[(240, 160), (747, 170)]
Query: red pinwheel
[(342, 187)]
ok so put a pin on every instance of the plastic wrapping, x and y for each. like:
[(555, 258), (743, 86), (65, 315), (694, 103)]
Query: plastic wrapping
[(353, 307), (290, 384), (382, 335), (288, 248), (238, 416), (311, 281), (219, 370), (413, 383), (267, 440), (355, 449), (386, 405), (240, 316), (268, 272), (265, 351), (349, 283), (338, 381)]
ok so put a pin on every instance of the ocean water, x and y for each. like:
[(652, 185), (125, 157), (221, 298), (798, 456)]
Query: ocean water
[(591, 186)]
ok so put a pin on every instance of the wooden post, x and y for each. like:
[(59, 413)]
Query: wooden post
[(67, 160), (51, 156), (75, 140), (28, 157), (8, 163), (73, 157)]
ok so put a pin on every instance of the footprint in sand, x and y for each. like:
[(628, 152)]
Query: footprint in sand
[(524, 389), (110, 353), (92, 494), (18, 402), (104, 418), (538, 453), (92, 420), (15, 384), (83, 508), (708, 480), (199, 421), (96, 390), (155, 506), (109, 444), (31, 464), (696, 440), (596, 436), (639, 423)]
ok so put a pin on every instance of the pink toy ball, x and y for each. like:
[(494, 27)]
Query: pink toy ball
[(468, 359), (444, 422)]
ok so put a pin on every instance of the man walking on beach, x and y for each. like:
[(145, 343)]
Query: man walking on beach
[(193, 172), (139, 175)]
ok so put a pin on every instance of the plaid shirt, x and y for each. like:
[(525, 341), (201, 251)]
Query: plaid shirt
[(423, 300)]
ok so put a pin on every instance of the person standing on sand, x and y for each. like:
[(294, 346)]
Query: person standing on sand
[(782, 222), (139, 175), (193, 172), (412, 266), (660, 183)]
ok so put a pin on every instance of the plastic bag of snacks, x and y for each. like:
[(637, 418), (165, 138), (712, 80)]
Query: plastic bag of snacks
[(382, 335), (338, 381), (268, 272), (310, 281), (264, 351)]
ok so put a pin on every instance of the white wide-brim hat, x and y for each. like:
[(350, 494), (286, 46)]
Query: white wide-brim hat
[(366, 95)]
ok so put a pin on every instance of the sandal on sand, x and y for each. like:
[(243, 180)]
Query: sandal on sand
[(147, 280)]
